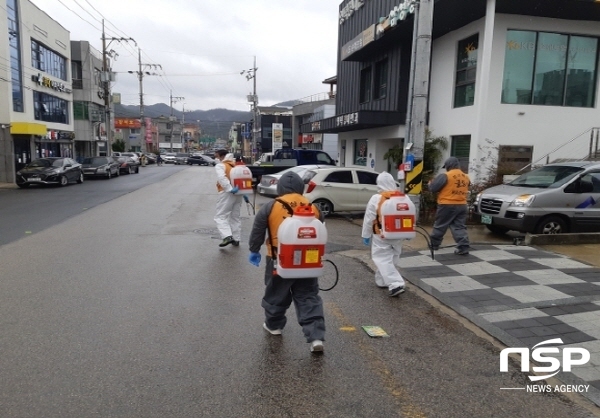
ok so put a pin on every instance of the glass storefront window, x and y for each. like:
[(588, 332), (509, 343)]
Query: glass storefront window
[(549, 79), (466, 71), (549, 69), (360, 151)]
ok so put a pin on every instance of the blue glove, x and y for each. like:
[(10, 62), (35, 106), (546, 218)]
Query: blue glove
[(234, 190), (254, 259), (367, 241)]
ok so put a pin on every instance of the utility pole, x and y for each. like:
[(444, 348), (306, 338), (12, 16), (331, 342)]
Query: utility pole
[(140, 73), (418, 98), (106, 78), (253, 98), (171, 100)]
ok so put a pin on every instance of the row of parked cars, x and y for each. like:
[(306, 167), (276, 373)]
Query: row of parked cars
[(553, 199), (62, 171)]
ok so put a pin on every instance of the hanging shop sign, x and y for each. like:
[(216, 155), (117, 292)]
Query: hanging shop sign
[(347, 119), (49, 83), (395, 15), (127, 123), (349, 9), (363, 39)]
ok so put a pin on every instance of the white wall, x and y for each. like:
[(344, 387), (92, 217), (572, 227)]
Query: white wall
[(544, 127)]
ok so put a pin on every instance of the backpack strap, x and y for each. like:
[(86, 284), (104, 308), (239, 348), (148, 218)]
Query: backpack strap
[(377, 223), (288, 207)]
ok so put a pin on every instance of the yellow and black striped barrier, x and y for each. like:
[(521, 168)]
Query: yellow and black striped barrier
[(414, 179)]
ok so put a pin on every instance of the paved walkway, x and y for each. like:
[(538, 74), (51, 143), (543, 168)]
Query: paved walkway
[(521, 295)]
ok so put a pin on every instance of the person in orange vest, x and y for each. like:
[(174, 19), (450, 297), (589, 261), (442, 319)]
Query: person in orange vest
[(280, 293), (452, 188), (227, 213), (385, 253)]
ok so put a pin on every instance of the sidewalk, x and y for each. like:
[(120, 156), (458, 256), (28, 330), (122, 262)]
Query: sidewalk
[(521, 295)]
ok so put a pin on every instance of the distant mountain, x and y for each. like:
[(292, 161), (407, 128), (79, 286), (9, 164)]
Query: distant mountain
[(213, 122)]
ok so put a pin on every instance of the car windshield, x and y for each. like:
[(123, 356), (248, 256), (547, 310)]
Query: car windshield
[(46, 162), (95, 161), (547, 177)]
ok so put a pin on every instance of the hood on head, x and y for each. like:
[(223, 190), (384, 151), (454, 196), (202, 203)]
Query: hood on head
[(386, 182), (229, 157), (451, 163), (290, 182)]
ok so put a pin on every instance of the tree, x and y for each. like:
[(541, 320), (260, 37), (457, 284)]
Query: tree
[(118, 145)]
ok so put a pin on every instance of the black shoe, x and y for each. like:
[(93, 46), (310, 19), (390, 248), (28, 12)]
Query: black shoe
[(226, 241), (461, 252), (396, 291), (235, 243)]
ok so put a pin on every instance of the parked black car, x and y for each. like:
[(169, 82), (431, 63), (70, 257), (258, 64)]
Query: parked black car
[(100, 167), (127, 165), (51, 170), (201, 160)]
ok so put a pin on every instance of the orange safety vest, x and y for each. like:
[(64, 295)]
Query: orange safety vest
[(456, 190), (377, 221), (228, 166), (279, 212)]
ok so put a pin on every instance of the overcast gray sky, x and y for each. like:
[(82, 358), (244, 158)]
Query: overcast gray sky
[(203, 45)]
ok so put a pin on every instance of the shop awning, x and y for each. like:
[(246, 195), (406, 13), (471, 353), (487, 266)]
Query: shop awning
[(28, 128)]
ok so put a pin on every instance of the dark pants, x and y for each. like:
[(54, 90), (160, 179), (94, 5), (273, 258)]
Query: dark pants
[(279, 295), (455, 217)]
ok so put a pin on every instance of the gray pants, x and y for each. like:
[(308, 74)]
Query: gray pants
[(279, 295), (455, 217)]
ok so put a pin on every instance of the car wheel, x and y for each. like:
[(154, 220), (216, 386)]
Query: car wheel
[(551, 225), (23, 186), (80, 179), (324, 206), (63, 181), (498, 230), (131, 170)]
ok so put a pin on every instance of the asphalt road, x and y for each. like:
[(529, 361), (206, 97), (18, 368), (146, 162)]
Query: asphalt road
[(117, 302)]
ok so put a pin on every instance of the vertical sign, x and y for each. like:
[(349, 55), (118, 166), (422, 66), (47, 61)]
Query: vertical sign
[(277, 136)]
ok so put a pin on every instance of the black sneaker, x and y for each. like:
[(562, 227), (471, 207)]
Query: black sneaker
[(236, 243), (396, 291), (461, 252), (226, 241)]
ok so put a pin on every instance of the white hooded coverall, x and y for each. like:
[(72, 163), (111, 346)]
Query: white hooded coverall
[(385, 253), (227, 212)]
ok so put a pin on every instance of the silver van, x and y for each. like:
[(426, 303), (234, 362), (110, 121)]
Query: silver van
[(556, 198)]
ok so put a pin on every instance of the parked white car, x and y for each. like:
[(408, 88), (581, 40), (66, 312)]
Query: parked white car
[(169, 157), (268, 182), (340, 189)]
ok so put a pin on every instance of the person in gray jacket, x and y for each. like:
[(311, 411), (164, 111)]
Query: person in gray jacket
[(452, 188), (279, 292)]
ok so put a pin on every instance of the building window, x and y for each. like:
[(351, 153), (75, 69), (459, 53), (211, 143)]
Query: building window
[(381, 72), (48, 61), (15, 55), (360, 151), (466, 71), (81, 111), (365, 85), (549, 69), (461, 149), (50, 108)]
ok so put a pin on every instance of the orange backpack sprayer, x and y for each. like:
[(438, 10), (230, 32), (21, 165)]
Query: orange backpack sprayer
[(301, 245), (395, 217), (241, 176)]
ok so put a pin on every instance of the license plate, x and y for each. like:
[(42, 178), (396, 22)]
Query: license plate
[(486, 219), (34, 179)]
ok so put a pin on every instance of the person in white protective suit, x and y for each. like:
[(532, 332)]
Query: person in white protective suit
[(229, 203), (384, 252)]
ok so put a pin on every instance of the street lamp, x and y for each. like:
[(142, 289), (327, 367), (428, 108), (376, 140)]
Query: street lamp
[(140, 73), (253, 98)]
